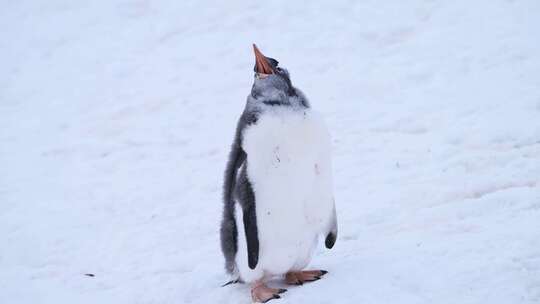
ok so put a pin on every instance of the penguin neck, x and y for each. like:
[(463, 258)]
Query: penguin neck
[(272, 97)]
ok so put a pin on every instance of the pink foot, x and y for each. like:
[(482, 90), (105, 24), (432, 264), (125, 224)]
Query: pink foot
[(261, 293), (300, 277)]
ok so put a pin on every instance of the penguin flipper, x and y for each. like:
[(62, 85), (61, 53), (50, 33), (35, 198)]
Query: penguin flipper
[(246, 198), (331, 236), (330, 240), (250, 227), (229, 231), (237, 158)]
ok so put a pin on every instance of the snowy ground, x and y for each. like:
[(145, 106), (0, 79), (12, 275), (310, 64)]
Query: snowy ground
[(116, 119)]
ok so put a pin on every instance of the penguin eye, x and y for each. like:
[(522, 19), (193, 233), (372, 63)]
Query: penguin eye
[(282, 72)]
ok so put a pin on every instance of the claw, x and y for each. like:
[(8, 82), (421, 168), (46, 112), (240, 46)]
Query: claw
[(262, 293), (300, 277), (231, 282), (273, 297)]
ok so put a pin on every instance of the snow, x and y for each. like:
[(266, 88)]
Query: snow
[(117, 118)]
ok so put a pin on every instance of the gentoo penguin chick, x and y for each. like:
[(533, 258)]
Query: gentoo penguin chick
[(278, 192)]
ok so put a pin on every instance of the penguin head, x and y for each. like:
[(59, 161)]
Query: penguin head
[(270, 80)]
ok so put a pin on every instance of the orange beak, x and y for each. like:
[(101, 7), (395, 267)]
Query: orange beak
[(263, 66)]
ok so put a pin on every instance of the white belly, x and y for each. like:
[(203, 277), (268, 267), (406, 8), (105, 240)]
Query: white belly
[(289, 167)]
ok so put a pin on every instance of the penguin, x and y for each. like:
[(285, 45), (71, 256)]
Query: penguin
[(278, 188)]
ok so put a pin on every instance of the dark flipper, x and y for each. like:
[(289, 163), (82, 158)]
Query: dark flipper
[(231, 187), (330, 240), (246, 197), (332, 234), (229, 231), (250, 226)]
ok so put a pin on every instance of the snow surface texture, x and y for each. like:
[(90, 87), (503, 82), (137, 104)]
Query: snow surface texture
[(117, 116)]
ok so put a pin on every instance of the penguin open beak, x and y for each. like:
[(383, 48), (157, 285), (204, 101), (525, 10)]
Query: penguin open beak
[(261, 63)]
